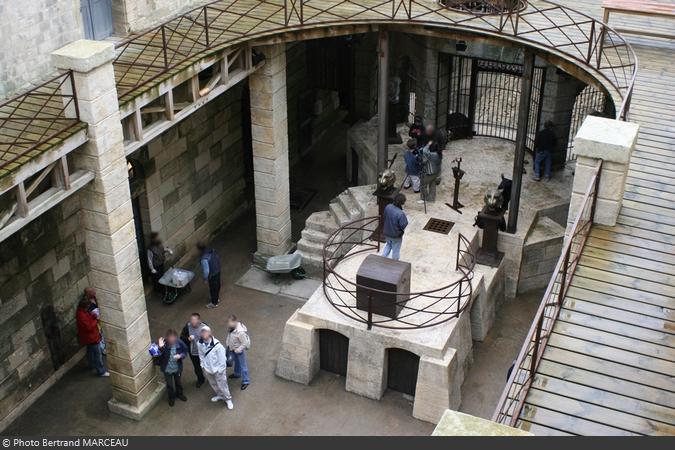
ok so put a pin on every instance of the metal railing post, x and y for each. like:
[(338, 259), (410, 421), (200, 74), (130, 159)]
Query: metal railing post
[(206, 28), (370, 310), (563, 279), (72, 86), (535, 349), (595, 192), (590, 43), (166, 59)]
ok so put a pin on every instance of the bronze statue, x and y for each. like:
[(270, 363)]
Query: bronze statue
[(386, 180)]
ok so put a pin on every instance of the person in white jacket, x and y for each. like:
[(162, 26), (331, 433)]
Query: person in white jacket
[(213, 359)]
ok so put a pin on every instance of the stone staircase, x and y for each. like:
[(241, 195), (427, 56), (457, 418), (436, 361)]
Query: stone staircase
[(321, 224)]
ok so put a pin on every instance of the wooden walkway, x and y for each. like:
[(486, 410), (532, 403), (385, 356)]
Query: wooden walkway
[(609, 367)]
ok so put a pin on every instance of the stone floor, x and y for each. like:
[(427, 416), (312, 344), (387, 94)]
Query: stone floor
[(271, 406)]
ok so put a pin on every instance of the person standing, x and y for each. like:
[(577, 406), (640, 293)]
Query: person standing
[(417, 128), (156, 256), (412, 169), (210, 262), (170, 361), (213, 357), (544, 144), (431, 170), (238, 342), (394, 224), (190, 336), (89, 336)]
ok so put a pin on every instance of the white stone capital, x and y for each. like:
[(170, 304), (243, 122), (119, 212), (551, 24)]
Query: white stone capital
[(83, 55), (606, 139)]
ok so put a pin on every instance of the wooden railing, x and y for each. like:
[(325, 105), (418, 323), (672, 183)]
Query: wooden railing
[(590, 43), (522, 375)]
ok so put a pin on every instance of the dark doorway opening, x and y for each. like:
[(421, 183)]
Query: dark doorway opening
[(333, 352), (402, 370), (354, 168), (139, 207)]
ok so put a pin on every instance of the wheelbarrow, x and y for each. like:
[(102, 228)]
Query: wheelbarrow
[(287, 264), (176, 282)]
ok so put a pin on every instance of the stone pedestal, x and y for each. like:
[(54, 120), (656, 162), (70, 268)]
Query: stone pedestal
[(269, 129), (455, 423), (611, 141), (109, 230)]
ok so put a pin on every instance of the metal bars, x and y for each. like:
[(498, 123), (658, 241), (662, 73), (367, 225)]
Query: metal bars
[(34, 118), (522, 376), (592, 44)]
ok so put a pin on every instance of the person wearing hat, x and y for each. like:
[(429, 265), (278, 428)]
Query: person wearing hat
[(213, 357)]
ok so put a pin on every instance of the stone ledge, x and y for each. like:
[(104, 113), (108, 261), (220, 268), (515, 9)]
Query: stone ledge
[(83, 55), (606, 139), (455, 423)]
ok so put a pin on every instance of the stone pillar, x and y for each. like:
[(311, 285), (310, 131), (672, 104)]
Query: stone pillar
[(560, 93), (436, 389), (109, 230), (366, 367), (269, 129), (611, 141)]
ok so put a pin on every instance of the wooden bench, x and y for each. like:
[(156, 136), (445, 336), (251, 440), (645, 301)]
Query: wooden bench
[(640, 8)]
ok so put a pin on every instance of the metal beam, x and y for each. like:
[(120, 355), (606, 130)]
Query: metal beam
[(521, 137), (382, 99)]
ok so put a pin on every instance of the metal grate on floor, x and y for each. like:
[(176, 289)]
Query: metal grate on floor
[(439, 226)]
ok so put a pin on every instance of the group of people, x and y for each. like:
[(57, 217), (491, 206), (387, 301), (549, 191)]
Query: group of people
[(210, 358), (423, 157), (209, 261)]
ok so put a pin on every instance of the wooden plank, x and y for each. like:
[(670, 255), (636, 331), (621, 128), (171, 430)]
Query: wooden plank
[(645, 310), (608, 353), (590, 329), (644, 414), (607, 383), (620, 276), (21, 200), (643, 266), (581, 281), (568, 423)]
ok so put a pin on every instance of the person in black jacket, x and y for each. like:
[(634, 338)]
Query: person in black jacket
[(170, 361), (190, 335), (544, 144)]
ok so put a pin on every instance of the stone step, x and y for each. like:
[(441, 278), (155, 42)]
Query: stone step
[(349, 204), (312, 264), (321, 221), (339, 213), (308, 247), (314, 236)]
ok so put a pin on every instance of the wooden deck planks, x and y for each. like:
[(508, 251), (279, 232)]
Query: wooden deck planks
[(609, 367)]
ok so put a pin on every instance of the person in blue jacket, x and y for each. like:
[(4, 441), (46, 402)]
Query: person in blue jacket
[(394, 222), (172, 352), (210, 262)]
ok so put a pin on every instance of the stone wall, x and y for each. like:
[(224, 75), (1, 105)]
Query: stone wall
[(365, 76), (541, 252), (195, 174), (46, 25), (135, 15), (43, 269)]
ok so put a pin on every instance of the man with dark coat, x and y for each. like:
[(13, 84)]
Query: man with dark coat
[(210, 262), (170, 361)]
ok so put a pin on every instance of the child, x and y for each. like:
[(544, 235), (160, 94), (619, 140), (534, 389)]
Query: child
[(412, 169)]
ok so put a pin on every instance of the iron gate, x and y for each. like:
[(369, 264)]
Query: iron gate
[(589, 101), (480, 97)]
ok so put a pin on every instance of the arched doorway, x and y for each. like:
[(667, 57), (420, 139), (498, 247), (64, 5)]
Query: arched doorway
[(402, 369), (333, 352)]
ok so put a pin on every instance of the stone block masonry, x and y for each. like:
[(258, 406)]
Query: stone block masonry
[(194, 175), (43, 270), (44, 24), (612, 142), (109, 230), (269, 129)]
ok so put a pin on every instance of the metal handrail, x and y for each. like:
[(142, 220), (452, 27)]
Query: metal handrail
[(512, 400), (437, 305), (34, 117), (216, 25)]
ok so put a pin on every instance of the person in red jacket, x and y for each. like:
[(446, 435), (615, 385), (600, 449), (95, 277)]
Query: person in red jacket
[(90, 336)]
